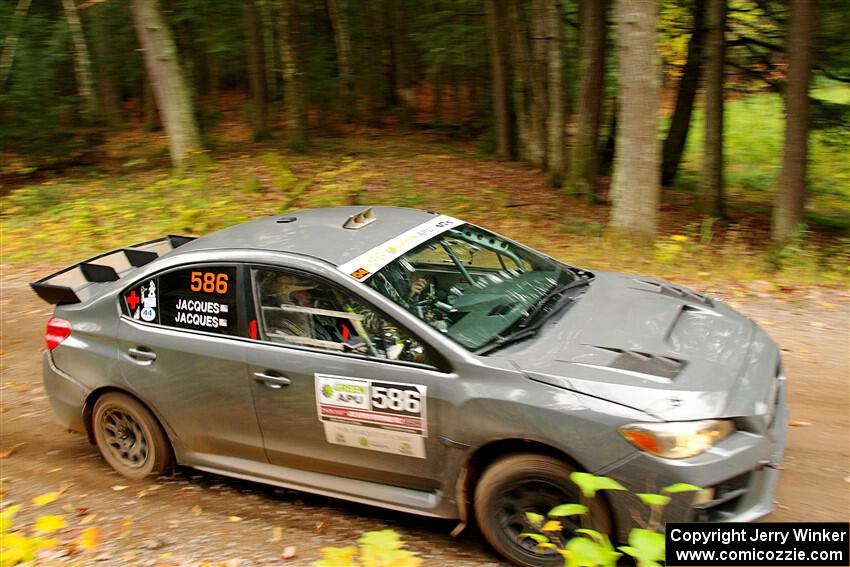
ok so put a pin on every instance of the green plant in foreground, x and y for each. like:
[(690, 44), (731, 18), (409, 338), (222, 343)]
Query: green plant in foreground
[(377, 549), (591, 548)]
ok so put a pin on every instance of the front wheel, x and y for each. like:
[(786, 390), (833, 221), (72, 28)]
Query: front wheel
[(129, 437), (517, 484)]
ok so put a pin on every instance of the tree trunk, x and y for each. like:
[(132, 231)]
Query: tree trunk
[(526, 91), (293, 73), (710, 200), (677, 135), (108, 94), (791, 199), (497, 39), (636, 163), (82, 60), (584, 161), (555, 116), (11, 41), (267, 25), (170, 90), (257, 68), (342, 39)]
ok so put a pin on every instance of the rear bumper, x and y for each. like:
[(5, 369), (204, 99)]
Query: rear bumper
[(67, 396)]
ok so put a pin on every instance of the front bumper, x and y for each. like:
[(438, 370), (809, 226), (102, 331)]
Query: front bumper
[(742, 471), (67, 396)]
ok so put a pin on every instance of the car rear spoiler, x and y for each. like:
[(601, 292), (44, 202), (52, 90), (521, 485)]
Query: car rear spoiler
[(73, 284)]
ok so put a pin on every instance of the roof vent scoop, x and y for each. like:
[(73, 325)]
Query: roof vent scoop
[(360, 220)]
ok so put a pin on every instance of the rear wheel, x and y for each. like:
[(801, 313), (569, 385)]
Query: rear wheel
[(129, 437), (516, 484)]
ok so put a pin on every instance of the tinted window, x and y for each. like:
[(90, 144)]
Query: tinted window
[(198, 298), (302, 311)]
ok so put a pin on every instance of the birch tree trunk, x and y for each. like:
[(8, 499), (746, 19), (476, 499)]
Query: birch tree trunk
[(636, 163), (680, 122), (7, 57), (82, 60), (710, 200), (497, 41), (293, 74), (584, 161), (257, 68), (791, 198), (170, 90), (555, 116)]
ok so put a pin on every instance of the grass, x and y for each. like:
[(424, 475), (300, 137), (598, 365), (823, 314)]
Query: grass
[(132, 197), (753, 137)]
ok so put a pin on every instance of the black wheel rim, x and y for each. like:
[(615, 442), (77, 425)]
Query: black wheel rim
[(537, 496), (125, 439)]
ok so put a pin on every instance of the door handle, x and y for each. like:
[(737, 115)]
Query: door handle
[(141, 354), (271, 381)]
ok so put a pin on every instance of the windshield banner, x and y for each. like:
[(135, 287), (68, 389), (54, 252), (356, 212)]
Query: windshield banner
[(363, 266)]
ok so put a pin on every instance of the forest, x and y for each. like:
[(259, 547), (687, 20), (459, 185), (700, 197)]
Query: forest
[(679, 127)]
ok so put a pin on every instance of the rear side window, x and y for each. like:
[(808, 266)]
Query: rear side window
[(200, 298)]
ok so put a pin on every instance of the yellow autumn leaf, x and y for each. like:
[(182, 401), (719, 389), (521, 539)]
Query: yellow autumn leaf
[(551, 526), (197, 510), (234, 518), (46, 498), (10, 511), (50, 523), (89, 539)]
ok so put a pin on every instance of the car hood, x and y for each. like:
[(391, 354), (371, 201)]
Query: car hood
[(656, 347)]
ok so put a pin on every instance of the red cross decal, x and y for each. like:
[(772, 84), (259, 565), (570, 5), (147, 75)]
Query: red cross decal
[(133, 300)]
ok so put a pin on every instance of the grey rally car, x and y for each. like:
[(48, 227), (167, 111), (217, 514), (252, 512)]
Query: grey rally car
[(412, 361)]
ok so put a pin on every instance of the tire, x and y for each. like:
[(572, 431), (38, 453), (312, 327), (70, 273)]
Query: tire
[(516, 484), (129, 437)]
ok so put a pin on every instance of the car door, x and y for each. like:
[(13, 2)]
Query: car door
[(332, 391), (179, 352)]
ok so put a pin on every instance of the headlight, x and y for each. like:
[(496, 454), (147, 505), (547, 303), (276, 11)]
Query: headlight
[(677, 439)]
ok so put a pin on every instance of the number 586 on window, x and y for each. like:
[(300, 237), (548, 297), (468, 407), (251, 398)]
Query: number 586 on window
[(208, 282)]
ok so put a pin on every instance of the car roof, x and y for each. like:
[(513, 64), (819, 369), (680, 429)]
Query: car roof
[(314, 232)]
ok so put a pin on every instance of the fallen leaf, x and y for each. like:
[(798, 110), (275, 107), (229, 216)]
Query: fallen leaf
[(234, 518), (289, 552), (197, 510), (766, 323), (46, 498), (119, 487), (799, 423), (89, 539), (88, 519), (321, 526), (277, 534), (126, 526), (50, 523), (8, 452)]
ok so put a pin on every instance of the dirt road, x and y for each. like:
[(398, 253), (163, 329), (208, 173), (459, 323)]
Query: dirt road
[(192, 517)]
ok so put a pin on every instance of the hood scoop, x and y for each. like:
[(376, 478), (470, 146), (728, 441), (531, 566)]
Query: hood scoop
[(674, 291), (642, 363)]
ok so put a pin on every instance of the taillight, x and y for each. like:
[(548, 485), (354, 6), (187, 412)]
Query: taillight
[(57, 331)]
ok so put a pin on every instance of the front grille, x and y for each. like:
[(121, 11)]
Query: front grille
[(727, 495)]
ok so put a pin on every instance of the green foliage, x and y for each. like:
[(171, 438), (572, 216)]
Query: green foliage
[(591, 548), (567, 510), (653, 499), (590, 484), (377, 549)]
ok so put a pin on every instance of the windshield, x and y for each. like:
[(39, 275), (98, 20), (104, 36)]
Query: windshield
[(470, 284)]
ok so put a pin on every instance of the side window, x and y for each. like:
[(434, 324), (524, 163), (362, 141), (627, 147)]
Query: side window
[(297, 310), (200, 298)]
